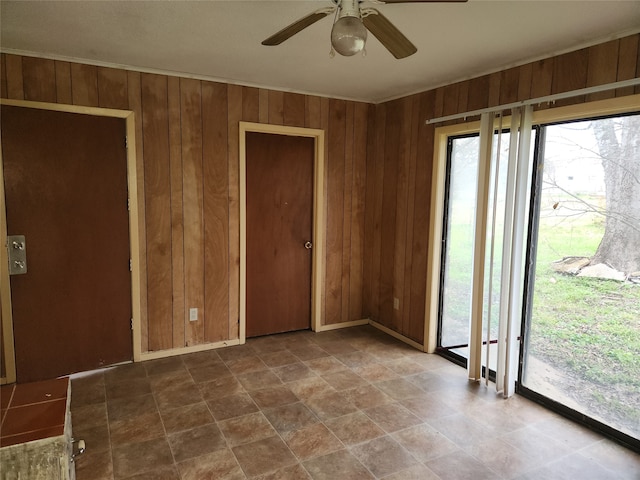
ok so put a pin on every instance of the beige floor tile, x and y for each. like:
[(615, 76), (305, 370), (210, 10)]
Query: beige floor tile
[(264, 456), (219, 465), (354, 428), (383, 456), (187, 417), (340, 464), (290, 417), (135, 458), (461, 466), (331, 405), (232, 406), (424, 442), (312, 441), (392, 417), (273, 397), (246, 429), (136, 429), (196, 442)]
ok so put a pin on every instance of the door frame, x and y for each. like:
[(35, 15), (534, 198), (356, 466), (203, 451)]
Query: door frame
[(135, 223), (318, 221)]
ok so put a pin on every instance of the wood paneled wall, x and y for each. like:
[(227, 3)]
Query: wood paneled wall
[(400, 159), (187, 149), (378, 180)]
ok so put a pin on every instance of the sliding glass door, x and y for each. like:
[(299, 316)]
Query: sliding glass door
[(582, 328)]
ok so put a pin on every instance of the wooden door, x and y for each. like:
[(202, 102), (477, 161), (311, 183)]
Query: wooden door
[(66, 191), (279, 223)]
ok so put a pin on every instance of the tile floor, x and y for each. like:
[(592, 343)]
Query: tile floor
[(32, 411), (345, 404)]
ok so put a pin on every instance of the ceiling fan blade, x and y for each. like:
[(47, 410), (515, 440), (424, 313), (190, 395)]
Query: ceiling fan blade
[(424, 1), (389, 35), (297, 26)]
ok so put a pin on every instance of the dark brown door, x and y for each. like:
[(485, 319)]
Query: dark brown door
[(279, 219), (66, 192)]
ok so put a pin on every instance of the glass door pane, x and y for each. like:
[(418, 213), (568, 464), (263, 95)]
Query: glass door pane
[(457, 256), (582, 337), (458, 248)]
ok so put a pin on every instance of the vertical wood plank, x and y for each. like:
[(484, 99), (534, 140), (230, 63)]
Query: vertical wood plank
[(637, 88), (406, 299), (63, 83), (3, 85), (542, 78), (324, 124), (3, 368), (369, 220), (276, 107), (112, 88), (192, 207), (602, 68), (234, 102), (570, 73), (438, 111), (402, 198), (84, 84), (358, 192), (134, 90), (627, 62), (157, 190), (15, 84), (463, 97), (379, 176), (335, 210), (263, 101), (347, 211), (216, 211), (494, 89), (177, 216), (450, 99), (312, 111), (421, 219), (509, 85), (293, 109), (524, 81), (478, 93), (250, 104), (39, 77), (389, 212)]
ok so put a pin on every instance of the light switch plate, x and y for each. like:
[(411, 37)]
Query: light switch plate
[(193, 314)]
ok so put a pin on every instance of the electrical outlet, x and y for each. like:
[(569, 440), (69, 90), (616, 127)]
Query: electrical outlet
[(396, 303), (193, 314)]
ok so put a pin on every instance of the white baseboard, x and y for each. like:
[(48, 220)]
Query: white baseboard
[(144, 356), (336, 326), (397, 335)]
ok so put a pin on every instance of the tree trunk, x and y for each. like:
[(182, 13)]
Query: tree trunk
[(619, 145)]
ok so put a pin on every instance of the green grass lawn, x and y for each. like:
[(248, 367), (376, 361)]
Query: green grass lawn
[(587, 328)]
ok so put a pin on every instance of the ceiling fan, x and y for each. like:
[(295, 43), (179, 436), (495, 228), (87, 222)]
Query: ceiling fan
[(349, 32)]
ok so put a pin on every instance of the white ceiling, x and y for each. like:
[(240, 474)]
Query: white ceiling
[(220, 40)]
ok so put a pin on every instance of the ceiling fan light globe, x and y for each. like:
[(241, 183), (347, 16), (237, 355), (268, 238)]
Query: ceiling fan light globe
[(348, 36)]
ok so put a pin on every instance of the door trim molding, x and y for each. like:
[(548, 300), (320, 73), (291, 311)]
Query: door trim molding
[(135, 223), (317, 264)]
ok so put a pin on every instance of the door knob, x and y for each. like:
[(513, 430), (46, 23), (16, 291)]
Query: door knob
[(308, 245)]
